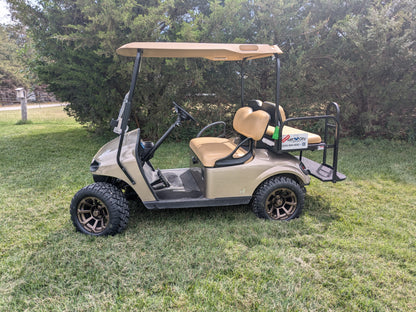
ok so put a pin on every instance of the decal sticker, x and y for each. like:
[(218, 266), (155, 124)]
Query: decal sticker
[(295, 141)]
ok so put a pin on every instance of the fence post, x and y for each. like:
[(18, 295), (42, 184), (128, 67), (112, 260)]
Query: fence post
[(21, 95)]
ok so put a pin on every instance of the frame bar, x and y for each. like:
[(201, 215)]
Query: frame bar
[(127, 111)]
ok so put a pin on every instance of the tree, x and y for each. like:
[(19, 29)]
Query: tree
[(370, 54), (361, 54), (72, 56), (12, 73), (76, 42)]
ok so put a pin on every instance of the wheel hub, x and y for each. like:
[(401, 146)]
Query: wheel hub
[(278, 202), (281, 204), (93, 215), (97, 213)]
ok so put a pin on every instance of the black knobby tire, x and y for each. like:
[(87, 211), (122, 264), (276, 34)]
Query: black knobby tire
[(99, 209), (278, 198)]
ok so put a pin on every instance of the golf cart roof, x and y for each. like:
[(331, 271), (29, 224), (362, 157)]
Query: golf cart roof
[(211, 51)]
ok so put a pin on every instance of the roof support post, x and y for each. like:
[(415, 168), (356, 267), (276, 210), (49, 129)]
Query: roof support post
[(278, 118), (242, 82)]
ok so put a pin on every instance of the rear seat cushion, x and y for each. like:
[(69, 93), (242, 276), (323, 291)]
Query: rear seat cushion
[(312, 137)]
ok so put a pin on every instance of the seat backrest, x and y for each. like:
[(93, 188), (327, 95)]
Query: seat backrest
[(268, 107), (255, 104), (251, 124)]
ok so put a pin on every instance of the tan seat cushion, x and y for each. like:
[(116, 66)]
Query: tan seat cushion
[(210, 149), (246, 122), (312, 137)]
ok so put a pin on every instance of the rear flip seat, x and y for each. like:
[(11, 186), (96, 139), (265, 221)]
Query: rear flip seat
[(270, 107)]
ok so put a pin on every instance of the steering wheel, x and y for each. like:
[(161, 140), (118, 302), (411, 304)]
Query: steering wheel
[(183, 114)]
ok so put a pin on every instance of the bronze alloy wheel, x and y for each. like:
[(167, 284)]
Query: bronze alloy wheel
[(278, 198), (93, 214), (281, 204), (99, 209)]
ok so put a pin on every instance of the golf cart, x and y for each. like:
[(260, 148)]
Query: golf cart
[(257, 167)]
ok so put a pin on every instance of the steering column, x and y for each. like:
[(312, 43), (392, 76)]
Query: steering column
[(182, 116)]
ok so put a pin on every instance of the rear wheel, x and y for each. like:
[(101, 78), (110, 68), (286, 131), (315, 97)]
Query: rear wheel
[(279, 198), (99, 209)]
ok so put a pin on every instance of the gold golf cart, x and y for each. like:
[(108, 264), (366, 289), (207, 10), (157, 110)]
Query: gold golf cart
[(257, 167)]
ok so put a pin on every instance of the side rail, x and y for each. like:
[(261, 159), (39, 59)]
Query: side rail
[(328, 125)]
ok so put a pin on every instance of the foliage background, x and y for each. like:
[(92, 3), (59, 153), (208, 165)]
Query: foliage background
[(360, 54), (13, 51)]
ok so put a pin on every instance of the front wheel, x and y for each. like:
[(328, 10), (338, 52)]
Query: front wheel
[(99, 209), (279, 198)]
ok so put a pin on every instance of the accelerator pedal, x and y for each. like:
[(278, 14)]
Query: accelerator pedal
[(161, 182)]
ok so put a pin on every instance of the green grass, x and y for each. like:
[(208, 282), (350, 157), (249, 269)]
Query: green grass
[(352, 249)]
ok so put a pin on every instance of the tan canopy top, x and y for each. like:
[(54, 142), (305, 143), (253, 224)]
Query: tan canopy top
[(211, 51)]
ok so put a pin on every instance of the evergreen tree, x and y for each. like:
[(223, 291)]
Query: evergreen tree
[(361, 54)]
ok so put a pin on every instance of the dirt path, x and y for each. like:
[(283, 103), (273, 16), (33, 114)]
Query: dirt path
[(30, 106)]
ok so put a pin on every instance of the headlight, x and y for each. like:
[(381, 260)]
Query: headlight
[(94, 165)]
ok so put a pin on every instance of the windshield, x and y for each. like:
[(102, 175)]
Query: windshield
[(119, 121)]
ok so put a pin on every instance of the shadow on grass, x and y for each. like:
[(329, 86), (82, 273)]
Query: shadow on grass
[(316, 206), (319, 208)]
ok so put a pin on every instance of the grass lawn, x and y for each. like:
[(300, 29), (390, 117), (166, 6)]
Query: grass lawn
[(352, 249)]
